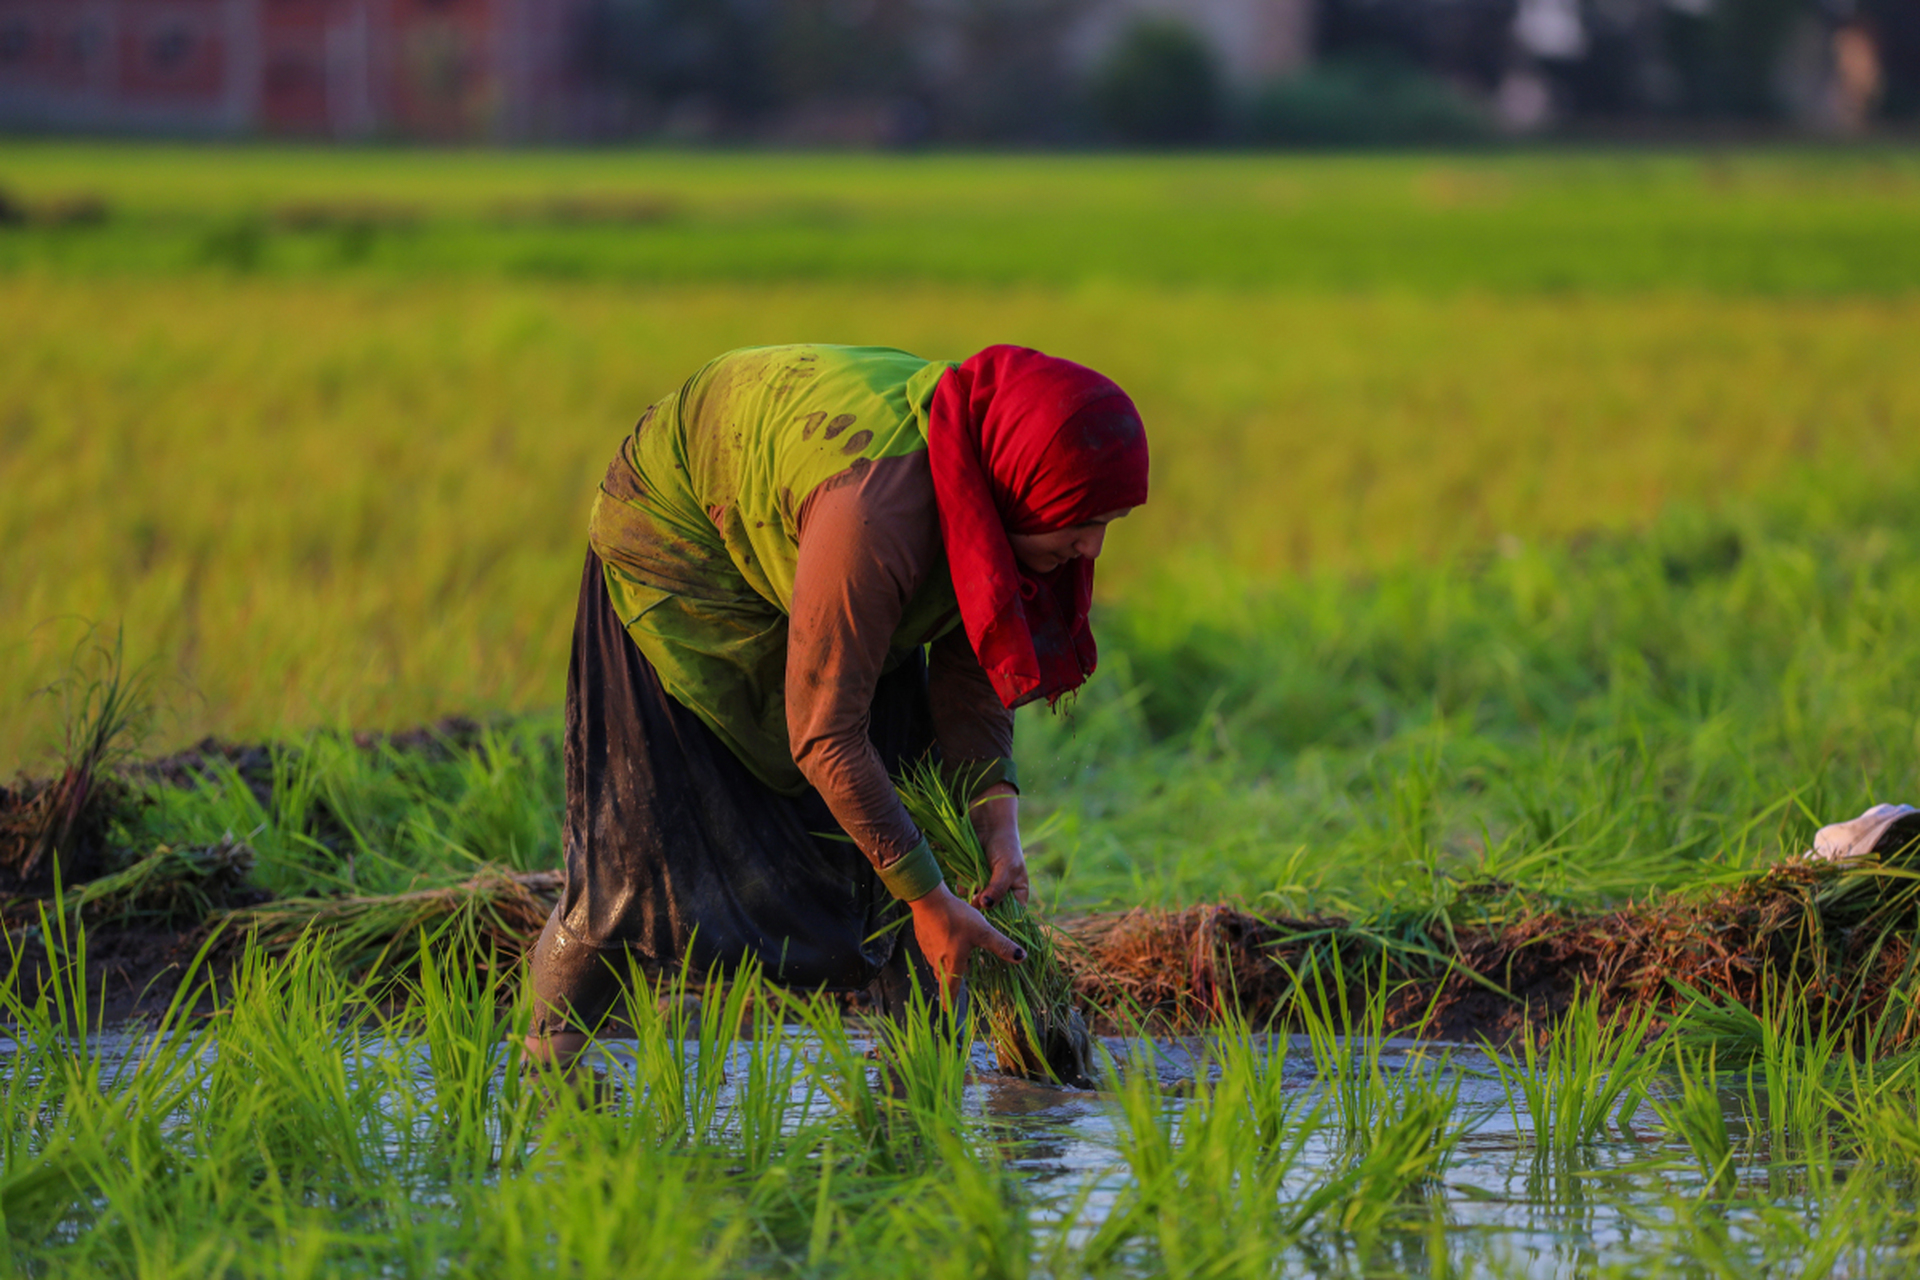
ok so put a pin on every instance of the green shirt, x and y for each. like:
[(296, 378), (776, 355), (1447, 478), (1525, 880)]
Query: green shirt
[(697, 523)]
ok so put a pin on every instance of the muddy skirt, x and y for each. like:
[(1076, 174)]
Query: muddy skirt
[(676, 852)]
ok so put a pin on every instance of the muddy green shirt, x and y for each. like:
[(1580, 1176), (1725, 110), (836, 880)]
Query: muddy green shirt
[(698, 525)]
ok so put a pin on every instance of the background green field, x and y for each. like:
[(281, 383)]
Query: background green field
[(1545, 517)]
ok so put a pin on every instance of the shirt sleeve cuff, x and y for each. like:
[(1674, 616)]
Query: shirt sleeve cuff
[(976, 776), (914, 874)]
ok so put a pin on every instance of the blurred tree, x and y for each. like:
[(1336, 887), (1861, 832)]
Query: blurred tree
[(995, 68), (1465, 41), (665, 53), (1364, 101), (844, 48), (1159, 86), (1726, 53)]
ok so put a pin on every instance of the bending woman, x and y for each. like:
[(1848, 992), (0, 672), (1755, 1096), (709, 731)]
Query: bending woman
[(810, 566)]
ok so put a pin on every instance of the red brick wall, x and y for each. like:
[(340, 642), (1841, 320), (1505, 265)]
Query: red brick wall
[(435, 69), (172, 51), (57, 45), (294, 69)]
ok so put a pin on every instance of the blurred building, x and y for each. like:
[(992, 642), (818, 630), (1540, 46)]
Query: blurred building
[(439, 69), (891, 72)]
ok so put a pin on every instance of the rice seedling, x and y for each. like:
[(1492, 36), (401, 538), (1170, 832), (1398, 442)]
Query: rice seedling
[(1348, 1052), (1791, 1062), (972, 1223), (74, 1107), (1028, 1010), (478, 1091), (1696, 1116), (493, 912), (1590, 1070), (1207, 1169), (181, 885), (1398, 1158)]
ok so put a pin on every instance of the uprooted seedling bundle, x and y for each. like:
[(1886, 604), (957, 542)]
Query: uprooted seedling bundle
[(491, 917), (58, 829), (1028, 1009), (174, 884), (1842, 935)]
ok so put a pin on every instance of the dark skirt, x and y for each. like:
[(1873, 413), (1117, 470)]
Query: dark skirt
[(675, 851)]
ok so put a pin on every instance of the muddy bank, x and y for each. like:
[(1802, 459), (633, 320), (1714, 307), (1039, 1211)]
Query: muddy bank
[(1827, 933), (1842, 938), (1483, 965)]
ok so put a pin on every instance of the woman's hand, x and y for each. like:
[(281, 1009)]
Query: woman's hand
[(949, 932), (996, 817)]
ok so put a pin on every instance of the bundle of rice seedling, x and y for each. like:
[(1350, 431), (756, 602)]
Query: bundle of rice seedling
[(1027, 1009), (172, 885), (495, 912)]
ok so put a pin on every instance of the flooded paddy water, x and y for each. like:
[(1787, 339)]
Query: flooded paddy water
[(1494, 1203), (818, 1149)]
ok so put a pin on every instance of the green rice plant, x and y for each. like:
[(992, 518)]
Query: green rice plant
[(501, 800), (902, 1097), (773, 1091), (970, 1222), (1838, 1221), (1399, 1158), (1207, 1166), (74, 1109), (849, 1080), (1346, 1060), (482, 1107), (1348, 1050), (1027, 1010), (105, 711), (1696, 1116), (290, 1070), (684, 1032), (1590, 1070), (1796, 1061), (1876, 1100), (601, 1206), (1760, 221), (1396, 1130)]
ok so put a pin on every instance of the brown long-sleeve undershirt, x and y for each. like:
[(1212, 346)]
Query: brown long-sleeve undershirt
[(868, 539)]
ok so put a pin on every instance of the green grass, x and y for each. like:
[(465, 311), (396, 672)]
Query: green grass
[(1582, 724), (1768, 222), (363, 503), (335, 493)]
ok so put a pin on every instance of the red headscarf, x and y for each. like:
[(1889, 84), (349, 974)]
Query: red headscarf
[(1022, 442)]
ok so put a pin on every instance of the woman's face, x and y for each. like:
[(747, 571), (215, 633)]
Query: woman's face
[(1045, 552)]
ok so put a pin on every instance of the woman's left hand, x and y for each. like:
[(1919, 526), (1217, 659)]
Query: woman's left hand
[(996, 817)]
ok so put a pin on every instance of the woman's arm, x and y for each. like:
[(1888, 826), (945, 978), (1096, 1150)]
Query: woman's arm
[(975, 731), (996, 816), (865, 543)]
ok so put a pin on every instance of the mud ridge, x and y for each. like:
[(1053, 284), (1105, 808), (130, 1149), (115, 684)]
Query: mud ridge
[(1822, 931)]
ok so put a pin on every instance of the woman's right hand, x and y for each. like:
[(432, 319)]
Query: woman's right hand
[(949, 932)]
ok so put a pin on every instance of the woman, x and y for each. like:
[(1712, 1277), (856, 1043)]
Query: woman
[(811, 566)]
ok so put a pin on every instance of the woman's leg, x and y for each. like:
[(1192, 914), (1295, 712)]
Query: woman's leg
[(573, 988), (677, 852)]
